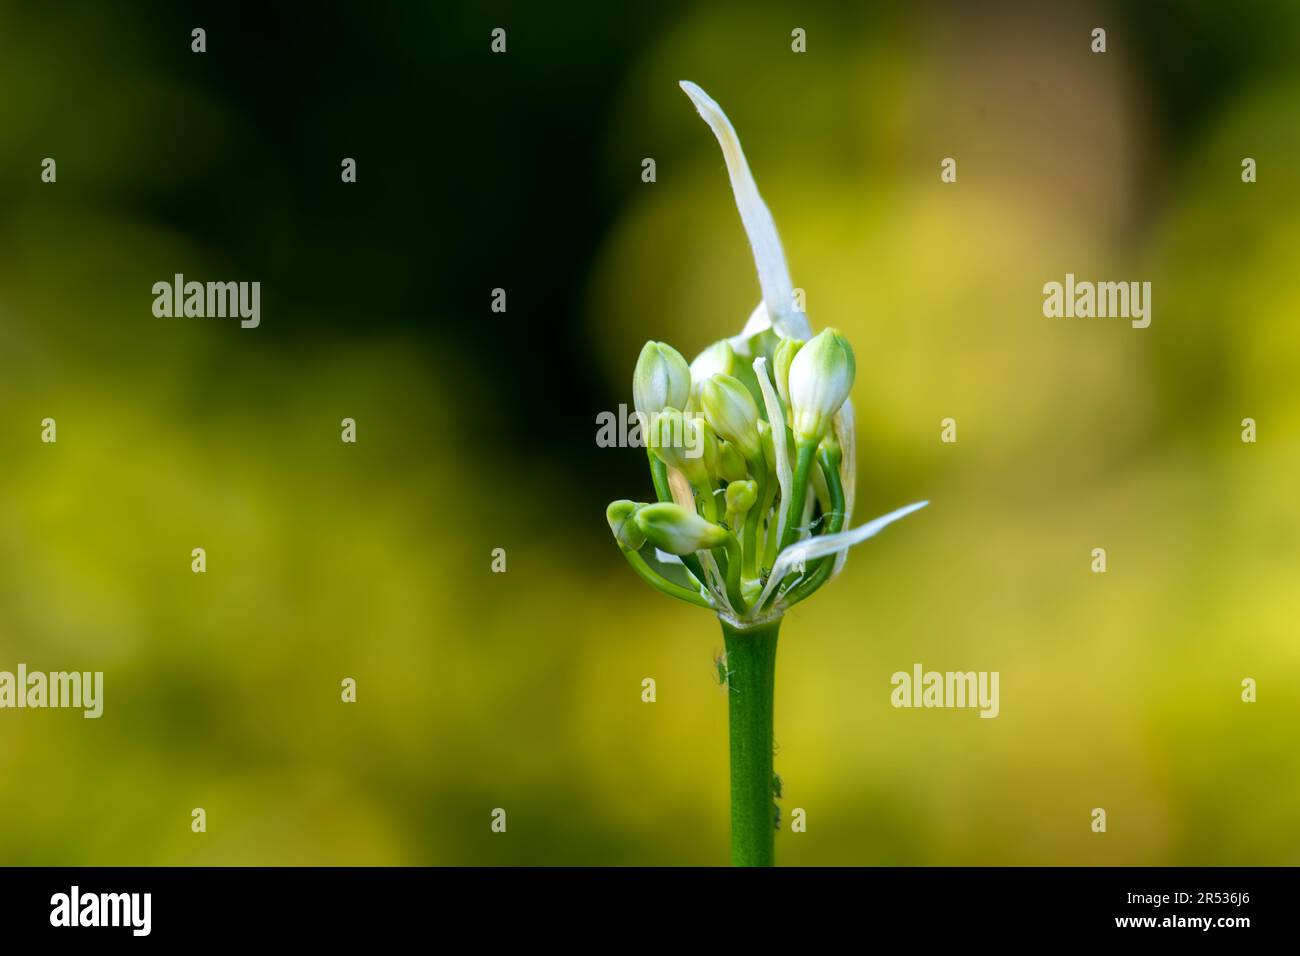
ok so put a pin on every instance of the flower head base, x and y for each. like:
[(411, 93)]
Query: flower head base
[(755, 498)]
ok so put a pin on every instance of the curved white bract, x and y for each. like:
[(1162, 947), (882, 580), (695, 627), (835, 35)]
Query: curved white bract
[(769, 256), (801, 552)]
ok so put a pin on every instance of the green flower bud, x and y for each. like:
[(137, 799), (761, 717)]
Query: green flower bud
[(662, 379), (731, 464), (670, 527), (679, 442), (731, 410), (821, 376), (619, 514), (785, 353), (741, 496)]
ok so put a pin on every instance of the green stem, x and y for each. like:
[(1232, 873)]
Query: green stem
[(659, 475), (820, 571), (769, 536), (731, 569), (750, 543), (751, 681), (654, 578), (798, 494), (706, 502)]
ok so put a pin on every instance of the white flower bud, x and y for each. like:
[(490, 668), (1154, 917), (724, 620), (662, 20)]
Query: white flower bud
[(718, 359), (821, 377), (670, 527), (662, 379), (732, 412)]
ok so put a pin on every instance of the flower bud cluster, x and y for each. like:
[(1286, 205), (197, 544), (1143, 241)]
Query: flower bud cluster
[(714, 458)]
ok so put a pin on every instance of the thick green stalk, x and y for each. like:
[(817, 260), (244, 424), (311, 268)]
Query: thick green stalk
[(751, 682)]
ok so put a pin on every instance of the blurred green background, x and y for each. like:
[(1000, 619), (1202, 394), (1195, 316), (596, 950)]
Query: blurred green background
[(477, 430)]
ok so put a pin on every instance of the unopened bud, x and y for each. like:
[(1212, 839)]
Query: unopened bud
[(678, 441), (662, 379), (731, 410), (731, 464), (785, 353), (619, 514), (672, 528), (718, 359), (821, 377), (741, 496)]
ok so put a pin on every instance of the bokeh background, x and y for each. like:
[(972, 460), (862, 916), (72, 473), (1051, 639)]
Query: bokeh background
[(477, 430)]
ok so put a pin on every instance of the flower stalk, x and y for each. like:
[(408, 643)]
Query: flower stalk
[(751, 686)]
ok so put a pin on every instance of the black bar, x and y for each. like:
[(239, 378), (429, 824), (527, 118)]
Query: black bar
[(371, 905)]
